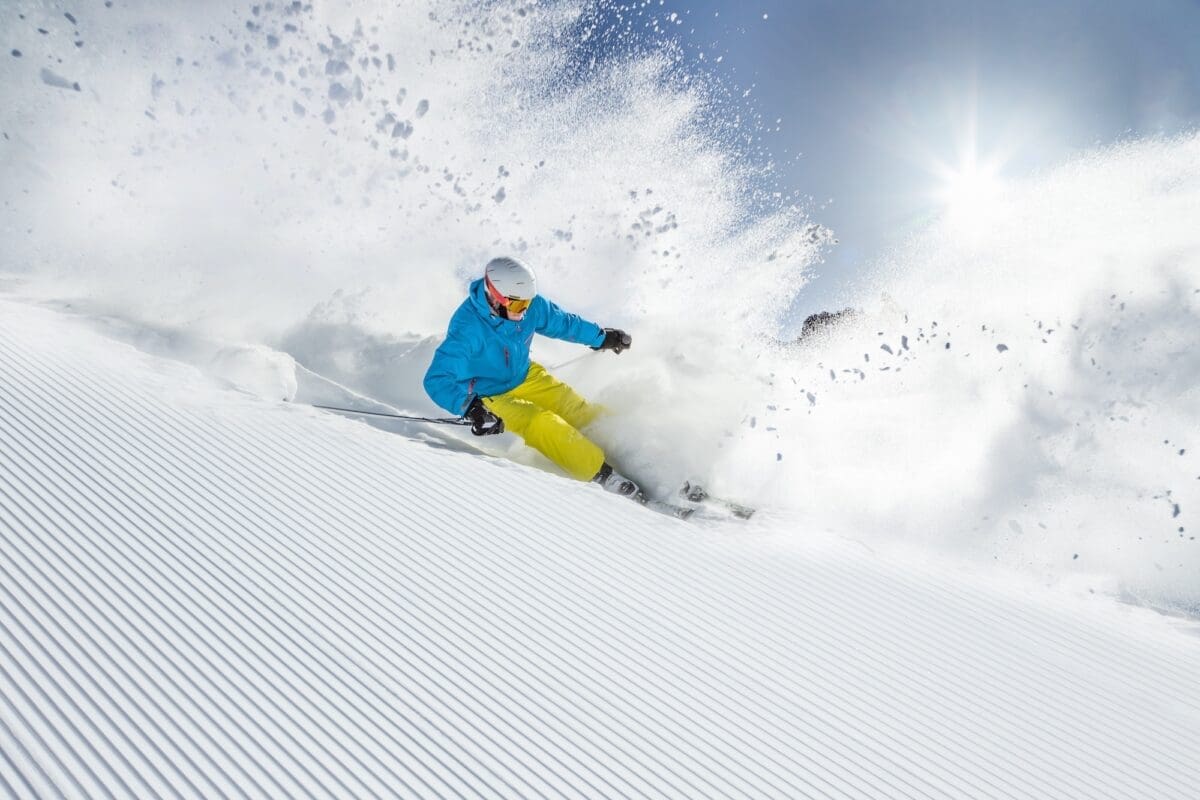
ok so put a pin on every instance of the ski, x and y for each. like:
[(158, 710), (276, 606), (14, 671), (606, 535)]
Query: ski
[(663, 507), (695, 493)]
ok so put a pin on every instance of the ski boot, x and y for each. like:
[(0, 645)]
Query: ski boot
[(615, 482)]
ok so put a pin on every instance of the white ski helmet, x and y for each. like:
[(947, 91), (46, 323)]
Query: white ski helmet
[(511, 286)]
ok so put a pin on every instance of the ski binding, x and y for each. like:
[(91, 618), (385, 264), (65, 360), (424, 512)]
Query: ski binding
[(695, 493)]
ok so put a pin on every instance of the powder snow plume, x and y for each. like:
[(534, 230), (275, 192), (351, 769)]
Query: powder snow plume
[(1023, 389), (244, 170), (277, 190)]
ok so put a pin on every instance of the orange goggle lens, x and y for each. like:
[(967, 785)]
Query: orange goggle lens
[(516, 306)]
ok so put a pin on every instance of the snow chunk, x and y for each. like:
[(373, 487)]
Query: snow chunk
[(339, 93), (58, 81)]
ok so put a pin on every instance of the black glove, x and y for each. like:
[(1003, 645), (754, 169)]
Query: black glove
[(483, 422), (615, 340)]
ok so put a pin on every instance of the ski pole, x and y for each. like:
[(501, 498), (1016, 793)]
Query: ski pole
[(434, 420), (571, 361)]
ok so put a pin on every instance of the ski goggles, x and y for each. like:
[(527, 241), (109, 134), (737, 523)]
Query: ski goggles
[(516, 305)]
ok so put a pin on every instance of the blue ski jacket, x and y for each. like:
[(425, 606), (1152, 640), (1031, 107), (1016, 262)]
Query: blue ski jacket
[(485, 355)]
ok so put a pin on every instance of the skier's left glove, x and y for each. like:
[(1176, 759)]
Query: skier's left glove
[(483, 422), (616, 340)]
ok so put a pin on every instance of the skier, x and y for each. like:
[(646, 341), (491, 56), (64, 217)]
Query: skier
[(482, 372)]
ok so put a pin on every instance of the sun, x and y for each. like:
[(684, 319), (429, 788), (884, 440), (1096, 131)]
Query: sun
[(969, 194)]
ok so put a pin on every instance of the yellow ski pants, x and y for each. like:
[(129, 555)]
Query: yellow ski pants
[(548, 414)]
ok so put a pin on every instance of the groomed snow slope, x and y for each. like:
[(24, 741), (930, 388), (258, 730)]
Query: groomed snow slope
[(203, 594)]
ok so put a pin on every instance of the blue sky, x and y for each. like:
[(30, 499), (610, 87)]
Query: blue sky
[(878, 99)]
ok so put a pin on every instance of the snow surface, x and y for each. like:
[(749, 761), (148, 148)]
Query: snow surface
[(208, 594)]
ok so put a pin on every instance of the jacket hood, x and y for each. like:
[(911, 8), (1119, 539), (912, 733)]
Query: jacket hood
[(478, 295)]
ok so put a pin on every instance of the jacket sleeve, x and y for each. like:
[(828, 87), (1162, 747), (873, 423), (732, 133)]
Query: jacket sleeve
[(447, 381), (558, 324)]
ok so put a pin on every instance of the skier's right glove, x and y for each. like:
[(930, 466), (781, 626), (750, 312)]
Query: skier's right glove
[(483, 422), (615, 340)]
